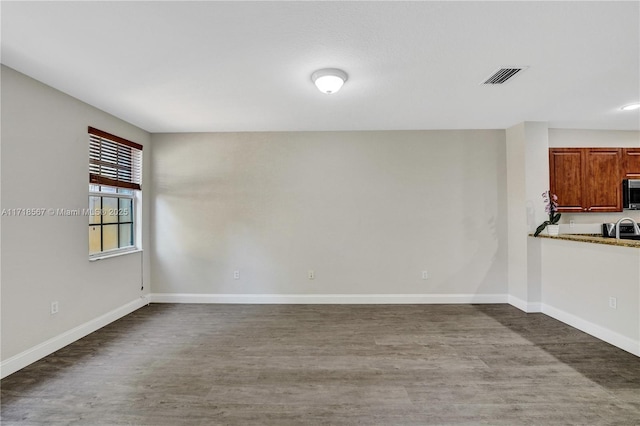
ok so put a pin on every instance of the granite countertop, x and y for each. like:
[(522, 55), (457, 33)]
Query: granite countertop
[(592, 238)]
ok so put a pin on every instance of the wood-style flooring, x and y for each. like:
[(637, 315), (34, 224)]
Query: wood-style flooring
[(329, 365)]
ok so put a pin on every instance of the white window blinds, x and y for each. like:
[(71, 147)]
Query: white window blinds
[(114, 161)]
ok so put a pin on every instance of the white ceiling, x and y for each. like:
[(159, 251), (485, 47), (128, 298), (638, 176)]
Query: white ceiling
[(246, 66)]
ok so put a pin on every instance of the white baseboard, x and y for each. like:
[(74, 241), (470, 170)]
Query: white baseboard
[(524, 306), (21, 360), (328, 298), (609, 336)]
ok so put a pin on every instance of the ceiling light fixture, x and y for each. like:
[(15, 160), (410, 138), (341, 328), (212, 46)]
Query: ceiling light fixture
[(631, 107), (329, 80)]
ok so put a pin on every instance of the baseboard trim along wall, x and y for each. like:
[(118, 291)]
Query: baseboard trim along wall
[(21, 360), (602, 333), (328, 298), (524, 306)]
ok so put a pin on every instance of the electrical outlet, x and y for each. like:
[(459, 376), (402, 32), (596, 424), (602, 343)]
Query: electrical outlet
[(311, 275), (236, 275), (54, 308), (425, 275), (613, 303)]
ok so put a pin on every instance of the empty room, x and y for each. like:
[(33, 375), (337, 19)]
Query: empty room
[(323, 213)]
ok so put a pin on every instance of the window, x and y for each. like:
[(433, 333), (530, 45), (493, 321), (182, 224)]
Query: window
[(111, 219), (115, 177)]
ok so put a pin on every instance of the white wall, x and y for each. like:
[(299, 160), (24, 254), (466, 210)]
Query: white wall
[(517, 212), (579, 278), (527, 178), (44, 259), (537, 182), (537, 171), (368, 211), (577, 138)]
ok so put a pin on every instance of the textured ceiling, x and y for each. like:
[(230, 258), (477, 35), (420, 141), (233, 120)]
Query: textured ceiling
[(246, 66)]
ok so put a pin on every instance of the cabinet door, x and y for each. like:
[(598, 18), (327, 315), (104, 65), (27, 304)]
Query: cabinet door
[(631, 163), (565, 172), (602, 182)]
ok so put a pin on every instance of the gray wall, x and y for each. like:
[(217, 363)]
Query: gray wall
[(44, 259), (368, 211)]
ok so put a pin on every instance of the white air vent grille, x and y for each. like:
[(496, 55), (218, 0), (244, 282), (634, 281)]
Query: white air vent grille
[(502, 75)]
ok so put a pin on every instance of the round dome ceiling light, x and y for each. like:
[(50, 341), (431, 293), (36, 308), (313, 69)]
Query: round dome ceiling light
[(631, 107), (329, 80)]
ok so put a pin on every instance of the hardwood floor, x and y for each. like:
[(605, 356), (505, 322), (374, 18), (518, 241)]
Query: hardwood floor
[(329, 364)]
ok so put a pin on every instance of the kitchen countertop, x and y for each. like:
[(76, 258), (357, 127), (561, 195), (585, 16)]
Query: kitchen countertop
[(592, 238)]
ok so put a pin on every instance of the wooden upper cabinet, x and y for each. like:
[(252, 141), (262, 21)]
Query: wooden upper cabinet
[(586, 179), (602, 183), (631, 163), (566, 174)]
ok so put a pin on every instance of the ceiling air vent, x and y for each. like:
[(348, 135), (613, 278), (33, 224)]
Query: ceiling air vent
[(503, 75)]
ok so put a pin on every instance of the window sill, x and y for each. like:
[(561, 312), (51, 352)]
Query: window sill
[(110, 255)]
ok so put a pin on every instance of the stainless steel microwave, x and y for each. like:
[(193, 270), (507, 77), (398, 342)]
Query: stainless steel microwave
[(631, 194)]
